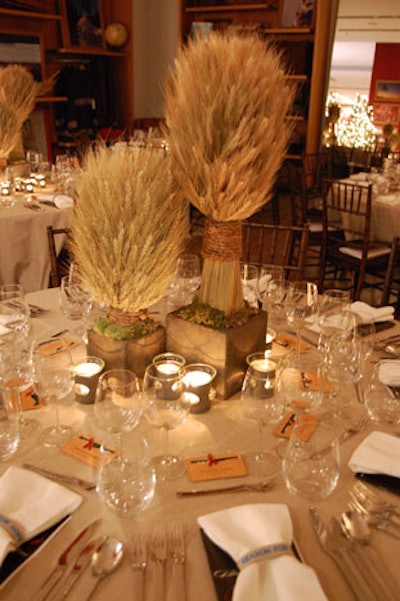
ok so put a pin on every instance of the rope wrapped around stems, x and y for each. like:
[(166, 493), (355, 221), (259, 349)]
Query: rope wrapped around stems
[(222, 240), (126, 319)]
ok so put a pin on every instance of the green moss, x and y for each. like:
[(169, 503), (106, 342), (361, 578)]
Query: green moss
[(119, 332), (213, 318)]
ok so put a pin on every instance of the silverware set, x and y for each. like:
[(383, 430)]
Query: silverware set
[(158, 564), (349, 543)]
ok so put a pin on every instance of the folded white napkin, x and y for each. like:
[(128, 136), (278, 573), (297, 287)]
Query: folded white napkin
[(389, 373), (32, 504), (260, 531), (62, 201), (367, 313), (379, 453)]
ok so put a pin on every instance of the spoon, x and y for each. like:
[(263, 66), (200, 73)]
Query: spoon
[(106, 559), (355, 527)]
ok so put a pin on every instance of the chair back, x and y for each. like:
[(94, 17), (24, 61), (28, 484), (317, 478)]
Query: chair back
[(59, 254), (391, 286), (268, 244)]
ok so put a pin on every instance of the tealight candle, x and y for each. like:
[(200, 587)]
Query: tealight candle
[(197, 379), (262, 362), (168, 364), (87, 374), (269, 337)]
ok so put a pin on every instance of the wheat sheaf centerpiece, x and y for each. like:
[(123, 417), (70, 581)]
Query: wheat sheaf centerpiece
[(227, 100), (127, 232), (19, 92)]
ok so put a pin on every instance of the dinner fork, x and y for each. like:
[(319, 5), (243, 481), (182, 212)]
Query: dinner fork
[(139, 563), (158, 557), (176, 553), (373, 500)]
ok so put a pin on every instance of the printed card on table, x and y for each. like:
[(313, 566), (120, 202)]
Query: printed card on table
[(54, 347), (286, 425), (312, 381), (291, 342), (214, 467), (29, 398), (86, 448)]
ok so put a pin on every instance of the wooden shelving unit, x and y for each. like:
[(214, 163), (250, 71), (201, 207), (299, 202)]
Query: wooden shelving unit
[(111, 68), (306, 49)]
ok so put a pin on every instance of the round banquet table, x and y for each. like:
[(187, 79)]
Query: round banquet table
[(222, 429), (24, 252)]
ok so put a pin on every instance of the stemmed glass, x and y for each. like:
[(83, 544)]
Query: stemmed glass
[(16, 377), (249, 275), (126, 480), (118, 403), (188, 277), (301, 303), (261, 404), (75, 300), (53, 372), (272, 291), (14, 316), (166, 407)]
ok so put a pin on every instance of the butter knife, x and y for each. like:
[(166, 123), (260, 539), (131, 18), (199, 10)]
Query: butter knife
[(65, 561), (63, 478)]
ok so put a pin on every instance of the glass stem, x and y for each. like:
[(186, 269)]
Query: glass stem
[(165, 442), (299, 341), (260, 441)]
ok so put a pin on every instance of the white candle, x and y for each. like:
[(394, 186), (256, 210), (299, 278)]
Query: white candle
[(196, 378), (169, 368), (263, 365), (87, 370)]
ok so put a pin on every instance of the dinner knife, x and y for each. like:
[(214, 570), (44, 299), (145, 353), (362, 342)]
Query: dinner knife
[(385, 481), (63, 478), (65, 561), (82, 562)]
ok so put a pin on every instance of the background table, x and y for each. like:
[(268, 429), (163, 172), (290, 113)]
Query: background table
[(222, 429), (24, 254)]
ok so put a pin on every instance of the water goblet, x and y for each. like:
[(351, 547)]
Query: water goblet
[(166, 407), (118, 404), (188, 274), (311, 464), (16, 379), (261, 404), (54, 374), (126, 484), (301, 303), (382, 399), (249, 277), (9, 431), (15, 317)]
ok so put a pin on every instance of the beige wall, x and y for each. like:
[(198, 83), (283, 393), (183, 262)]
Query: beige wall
[(155, 38)]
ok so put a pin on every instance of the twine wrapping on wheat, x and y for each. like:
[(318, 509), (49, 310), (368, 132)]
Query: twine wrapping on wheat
[(222, 240), (124, 318)]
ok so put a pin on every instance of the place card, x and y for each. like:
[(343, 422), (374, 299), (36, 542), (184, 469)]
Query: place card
[(286, 425), (312, 381), (290, 342), (86, 448), (215, 467), (54, 347), (29, 399)]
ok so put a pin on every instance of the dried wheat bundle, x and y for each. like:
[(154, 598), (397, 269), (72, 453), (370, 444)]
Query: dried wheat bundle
[(19, 89), (9, 131), (128, 227), (226, 105)]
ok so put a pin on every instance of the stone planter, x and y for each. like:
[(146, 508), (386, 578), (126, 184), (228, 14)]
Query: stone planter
[(226, 350), (129, 354)]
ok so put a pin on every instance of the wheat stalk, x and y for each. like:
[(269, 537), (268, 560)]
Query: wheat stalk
[(9, 131), (128, 228), (226, 105)]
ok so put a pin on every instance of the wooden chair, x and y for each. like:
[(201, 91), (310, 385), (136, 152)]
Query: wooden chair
[(346, 247), (269, 244), (59, 261), (391, 286)]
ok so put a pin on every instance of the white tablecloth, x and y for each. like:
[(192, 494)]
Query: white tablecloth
[(24, 254), (222, 429)]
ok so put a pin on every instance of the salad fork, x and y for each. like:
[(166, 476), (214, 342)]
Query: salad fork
[(176, 553), (139, 563), (158, 557)]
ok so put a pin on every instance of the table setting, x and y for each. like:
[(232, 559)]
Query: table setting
[(187, 503)]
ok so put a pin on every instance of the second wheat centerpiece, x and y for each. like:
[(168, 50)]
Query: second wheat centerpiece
[(127, 232), (227, 103)]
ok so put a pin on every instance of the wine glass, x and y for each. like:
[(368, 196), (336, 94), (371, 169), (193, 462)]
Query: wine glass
[(249, 277), (261, 403), (301, 303), (16, 378), (14, 316), (272, 291), (166, 407), (311, 464), (118, 404), (54, 374), (75, 299), (381, 398)]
